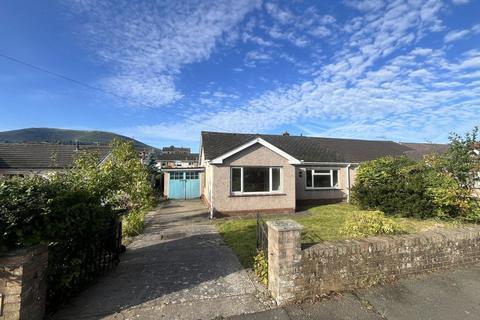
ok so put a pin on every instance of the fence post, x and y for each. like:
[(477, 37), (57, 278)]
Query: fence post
[(284, 258)]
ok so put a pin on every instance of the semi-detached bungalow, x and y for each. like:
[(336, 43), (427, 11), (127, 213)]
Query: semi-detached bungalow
[(241, 174)]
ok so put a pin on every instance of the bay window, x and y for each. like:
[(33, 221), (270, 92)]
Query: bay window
[(255, 180), (321, 179)]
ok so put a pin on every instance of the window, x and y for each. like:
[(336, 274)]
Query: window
[(190, 175), (176, 175), (256, 179), (321, 179)]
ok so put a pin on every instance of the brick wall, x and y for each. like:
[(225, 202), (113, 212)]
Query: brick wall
[(351, 264), (23, 283)]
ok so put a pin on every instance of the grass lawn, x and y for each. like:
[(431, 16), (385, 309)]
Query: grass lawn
[(322, 223)]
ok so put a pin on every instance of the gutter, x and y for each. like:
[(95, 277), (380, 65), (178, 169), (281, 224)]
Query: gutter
[(211, 190), (331, 163)]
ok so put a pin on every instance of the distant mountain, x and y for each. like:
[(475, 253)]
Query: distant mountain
[(64, 136)]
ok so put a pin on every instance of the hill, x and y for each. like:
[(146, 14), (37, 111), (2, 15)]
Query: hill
[(64, 136)]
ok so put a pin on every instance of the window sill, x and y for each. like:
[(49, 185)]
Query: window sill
[(322, 189), (260, 194)]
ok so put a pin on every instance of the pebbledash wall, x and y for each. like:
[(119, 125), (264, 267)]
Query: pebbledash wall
[(296, 274)]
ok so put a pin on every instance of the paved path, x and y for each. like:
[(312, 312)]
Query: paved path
[(448, 295), (179, 268)]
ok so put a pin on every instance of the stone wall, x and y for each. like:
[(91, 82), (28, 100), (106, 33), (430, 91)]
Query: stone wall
[(23, 283), (352, 264)]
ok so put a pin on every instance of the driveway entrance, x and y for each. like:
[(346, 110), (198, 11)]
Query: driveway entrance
[(180, 268)]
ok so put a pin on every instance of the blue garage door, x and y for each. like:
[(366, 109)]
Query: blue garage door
[(184, 185)]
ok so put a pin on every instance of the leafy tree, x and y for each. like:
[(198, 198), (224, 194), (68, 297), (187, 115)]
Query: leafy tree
[(462, 160)]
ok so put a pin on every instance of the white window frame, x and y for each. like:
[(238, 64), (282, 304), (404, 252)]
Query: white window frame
[(241, 192), (332, 187)]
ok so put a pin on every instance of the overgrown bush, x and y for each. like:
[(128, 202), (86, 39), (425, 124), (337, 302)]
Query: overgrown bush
[(363, 224), (394, 185), (438, 186), (260, 266), (71, 211)]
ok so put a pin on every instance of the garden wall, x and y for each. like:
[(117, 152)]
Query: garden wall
[(350, 264), (23, 283)]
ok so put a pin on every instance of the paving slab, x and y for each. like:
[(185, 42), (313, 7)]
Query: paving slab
[(345, 307), (445, 295), (180, 268)]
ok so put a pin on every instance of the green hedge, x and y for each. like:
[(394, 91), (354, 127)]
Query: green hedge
[(399, 186)]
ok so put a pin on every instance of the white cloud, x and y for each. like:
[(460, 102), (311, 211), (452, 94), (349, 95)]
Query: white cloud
[(372, 87), (460, 2), (148, 43), (456, 35)]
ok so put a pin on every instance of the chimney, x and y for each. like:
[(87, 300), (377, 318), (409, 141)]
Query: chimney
[(285, 133)]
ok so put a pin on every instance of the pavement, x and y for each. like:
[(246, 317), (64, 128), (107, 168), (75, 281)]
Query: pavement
[(180, 268), (447, 295)]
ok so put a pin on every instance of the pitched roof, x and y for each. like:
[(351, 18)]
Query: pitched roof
[(43, 155), (179, 157), (308, 149), (418, 150)]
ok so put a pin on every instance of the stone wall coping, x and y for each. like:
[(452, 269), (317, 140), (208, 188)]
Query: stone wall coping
[(423, 236), (21, 255), (284, 225)]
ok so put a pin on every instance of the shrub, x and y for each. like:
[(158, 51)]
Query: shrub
[(363, 224), (23, 209), (260, 266), (398, 186), (394, 185), (133, 223)]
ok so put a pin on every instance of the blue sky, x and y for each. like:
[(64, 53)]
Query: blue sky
[(396, 70)]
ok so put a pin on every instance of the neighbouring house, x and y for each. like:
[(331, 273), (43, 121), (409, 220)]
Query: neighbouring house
[(177, 160), (249, 173), (175, 150), (23, 159)]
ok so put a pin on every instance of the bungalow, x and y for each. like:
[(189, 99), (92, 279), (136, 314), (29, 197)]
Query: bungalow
[(26, 159), (249, 173)]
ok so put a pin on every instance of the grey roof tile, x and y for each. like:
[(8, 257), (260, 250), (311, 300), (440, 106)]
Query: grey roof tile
[(308, 149), (42, 155)]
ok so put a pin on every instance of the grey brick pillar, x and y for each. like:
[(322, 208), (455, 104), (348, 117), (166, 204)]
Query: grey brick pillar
[(284, 258)]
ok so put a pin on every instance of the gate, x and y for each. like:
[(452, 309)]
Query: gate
[(184, 185), (262, 235)]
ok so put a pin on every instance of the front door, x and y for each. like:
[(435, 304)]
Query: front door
[(184, 185)]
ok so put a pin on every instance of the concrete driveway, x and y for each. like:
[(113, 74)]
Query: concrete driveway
[(180, 268), (447, 295)]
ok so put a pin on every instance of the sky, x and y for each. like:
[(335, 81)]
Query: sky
[(163, 71)]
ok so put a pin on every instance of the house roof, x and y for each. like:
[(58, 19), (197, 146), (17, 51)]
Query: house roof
[(179, 157), (418, 150), (43, 155), (308, 149)]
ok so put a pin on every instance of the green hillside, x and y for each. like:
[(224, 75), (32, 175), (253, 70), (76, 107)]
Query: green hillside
[(63, 136)]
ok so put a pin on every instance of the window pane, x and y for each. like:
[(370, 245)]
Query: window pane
[(335, 178), (236, 179), (275, 179), (309, 178), (323, 171), (255, 179), (321, 181)]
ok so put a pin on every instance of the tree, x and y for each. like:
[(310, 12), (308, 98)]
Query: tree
[(151, 165), (462, 160)]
